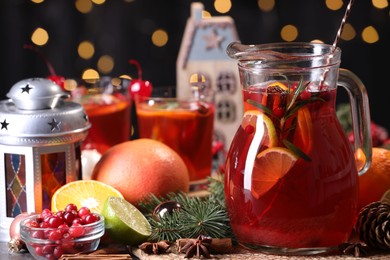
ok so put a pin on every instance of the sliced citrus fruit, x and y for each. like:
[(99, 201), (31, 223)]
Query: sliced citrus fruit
[(83, 193), (303, 134), (124, 223), (250, 120), (270, 165), (277, 85)]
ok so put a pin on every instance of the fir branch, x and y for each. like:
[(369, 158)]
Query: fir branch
[(197, 216), (208, 219), (167, 228), (216, 189)]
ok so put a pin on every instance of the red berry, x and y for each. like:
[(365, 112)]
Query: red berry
[(58, 251), (71, 207), (83, 211), (90, 218), (33, 224), (55, 235), (249, 129), (69, 216), (44, 224), (278, 111), (38, 250), (46, 213), (50, 257), (139, 87), (59, 213), (55, 221), (38, 234), (78, 221), (76, 230), (59, 80), (47, 249)]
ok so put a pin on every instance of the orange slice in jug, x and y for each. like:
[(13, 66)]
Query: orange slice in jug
[(250, 120), (270, 166), (303, 135)]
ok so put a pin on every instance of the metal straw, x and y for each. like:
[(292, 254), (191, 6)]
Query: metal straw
[(345, 17)]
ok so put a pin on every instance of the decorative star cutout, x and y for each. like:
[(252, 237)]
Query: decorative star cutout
[(26, 89), (4, 125), (85, 116), (55, 125), (213, 40)]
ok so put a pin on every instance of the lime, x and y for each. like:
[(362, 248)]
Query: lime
[(124, 223)]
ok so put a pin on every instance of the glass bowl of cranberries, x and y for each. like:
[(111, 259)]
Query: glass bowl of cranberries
[(49, 235)]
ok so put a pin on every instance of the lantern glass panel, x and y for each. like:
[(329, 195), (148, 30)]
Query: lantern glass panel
[(15, 182)]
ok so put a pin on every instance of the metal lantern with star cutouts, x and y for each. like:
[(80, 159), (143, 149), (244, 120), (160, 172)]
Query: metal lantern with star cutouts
[(40, 136)]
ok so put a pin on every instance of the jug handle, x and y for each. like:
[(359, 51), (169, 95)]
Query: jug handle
[(360, 117)]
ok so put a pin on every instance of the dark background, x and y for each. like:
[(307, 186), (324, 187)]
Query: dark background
[(122, 29)]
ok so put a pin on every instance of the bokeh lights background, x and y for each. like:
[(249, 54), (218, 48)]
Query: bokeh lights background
[(103, 35)]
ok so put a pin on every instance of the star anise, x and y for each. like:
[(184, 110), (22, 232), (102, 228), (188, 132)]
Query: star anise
[(196, 247), (156, 248), (357, 249)]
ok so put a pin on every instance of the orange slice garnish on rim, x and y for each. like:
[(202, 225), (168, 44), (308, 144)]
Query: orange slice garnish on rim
[(270, 166), (250, 120)]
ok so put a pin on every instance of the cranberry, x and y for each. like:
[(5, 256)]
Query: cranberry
[(90, 218), (78, 221), (47, 249), (32, 224), (69, 216), (44, 224), (71, 207), (38, 234), (54, 222), (38, 250), (76, 230), (278, 111), (249, 129), (55, 234), (46, 213), (83, 211), (50, 257), (58, 251), (59, 213)]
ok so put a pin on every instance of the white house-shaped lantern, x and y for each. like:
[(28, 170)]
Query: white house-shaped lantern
[(203, 52), (40, 136)]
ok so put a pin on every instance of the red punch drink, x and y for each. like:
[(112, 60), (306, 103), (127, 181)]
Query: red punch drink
[(185, 126), (108, 107), (291, 179), (287, 196), (110, 122)]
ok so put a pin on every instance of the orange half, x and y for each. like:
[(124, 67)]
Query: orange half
[(83, 193)]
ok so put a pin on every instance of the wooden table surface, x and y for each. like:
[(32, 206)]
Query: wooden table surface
[(239, 255)]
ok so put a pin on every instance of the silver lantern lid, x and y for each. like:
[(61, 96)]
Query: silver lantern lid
[(38, 113)]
